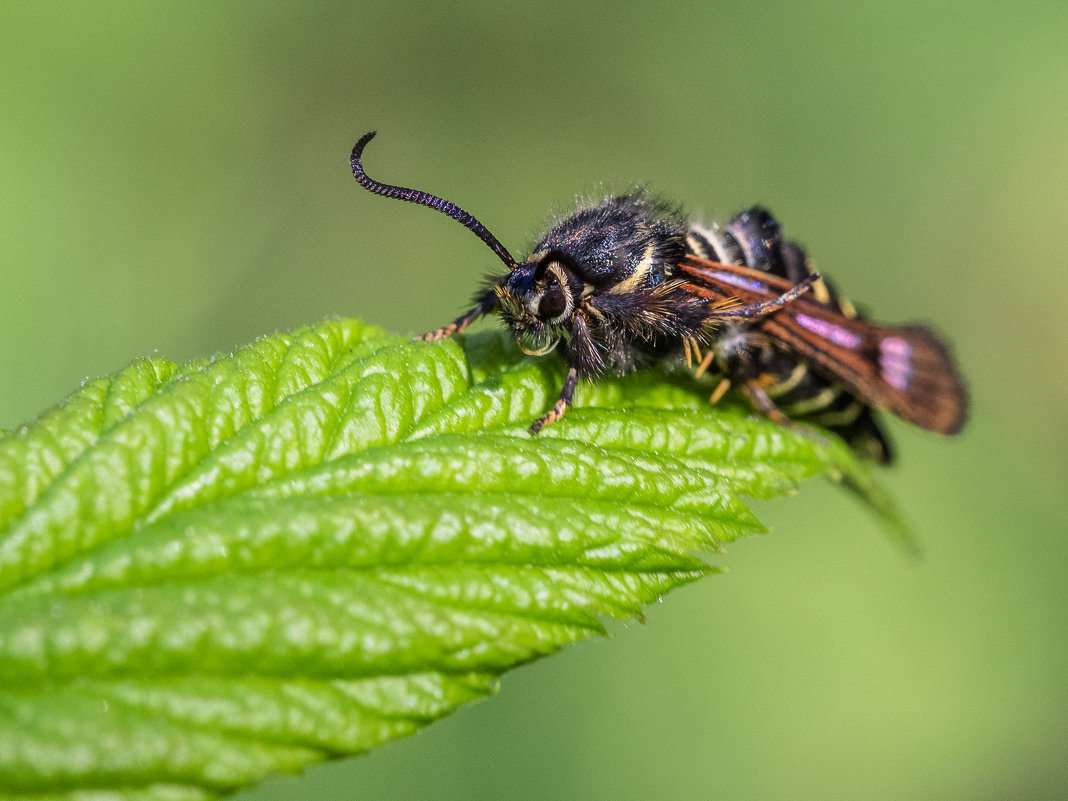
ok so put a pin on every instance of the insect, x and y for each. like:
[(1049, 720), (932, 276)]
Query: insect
[(628, 280)]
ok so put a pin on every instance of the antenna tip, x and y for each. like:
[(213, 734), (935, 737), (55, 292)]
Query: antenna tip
[(357, 149)]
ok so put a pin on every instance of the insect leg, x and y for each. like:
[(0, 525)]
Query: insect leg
[(705, 363), (764, 404), (486, 304), (687, 349), (760, 310), (742, 350), (720, 390), (561, 405)]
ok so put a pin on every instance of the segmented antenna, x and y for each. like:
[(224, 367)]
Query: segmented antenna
[(425, 199)]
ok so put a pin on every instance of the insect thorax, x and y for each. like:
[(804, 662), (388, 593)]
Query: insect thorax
[(619, 244)]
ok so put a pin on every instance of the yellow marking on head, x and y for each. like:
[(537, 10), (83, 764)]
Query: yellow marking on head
[(557, 269), (848, 309)]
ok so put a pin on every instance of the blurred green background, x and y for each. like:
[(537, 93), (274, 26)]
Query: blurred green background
[(176, 180)]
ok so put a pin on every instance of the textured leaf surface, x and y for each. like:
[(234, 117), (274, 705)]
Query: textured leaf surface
[(219, 570)]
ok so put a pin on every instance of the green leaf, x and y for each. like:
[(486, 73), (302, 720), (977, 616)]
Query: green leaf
[(214, 571)]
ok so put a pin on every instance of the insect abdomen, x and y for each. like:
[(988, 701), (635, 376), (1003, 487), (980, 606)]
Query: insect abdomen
[(754, 239)]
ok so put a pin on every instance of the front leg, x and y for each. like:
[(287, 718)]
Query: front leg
[(583, 359), (487, 303), (561, 405)]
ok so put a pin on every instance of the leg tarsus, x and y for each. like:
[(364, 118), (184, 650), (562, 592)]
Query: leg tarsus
[(763, 404), (720, 390), (706, 362), (562, 403), (487, 304)]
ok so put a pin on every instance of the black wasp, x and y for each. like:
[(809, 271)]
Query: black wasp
[(629, 280)]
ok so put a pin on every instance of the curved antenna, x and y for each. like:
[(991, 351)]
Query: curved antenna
[(425, 199)]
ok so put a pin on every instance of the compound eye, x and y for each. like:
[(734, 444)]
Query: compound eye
[(554, 302)]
